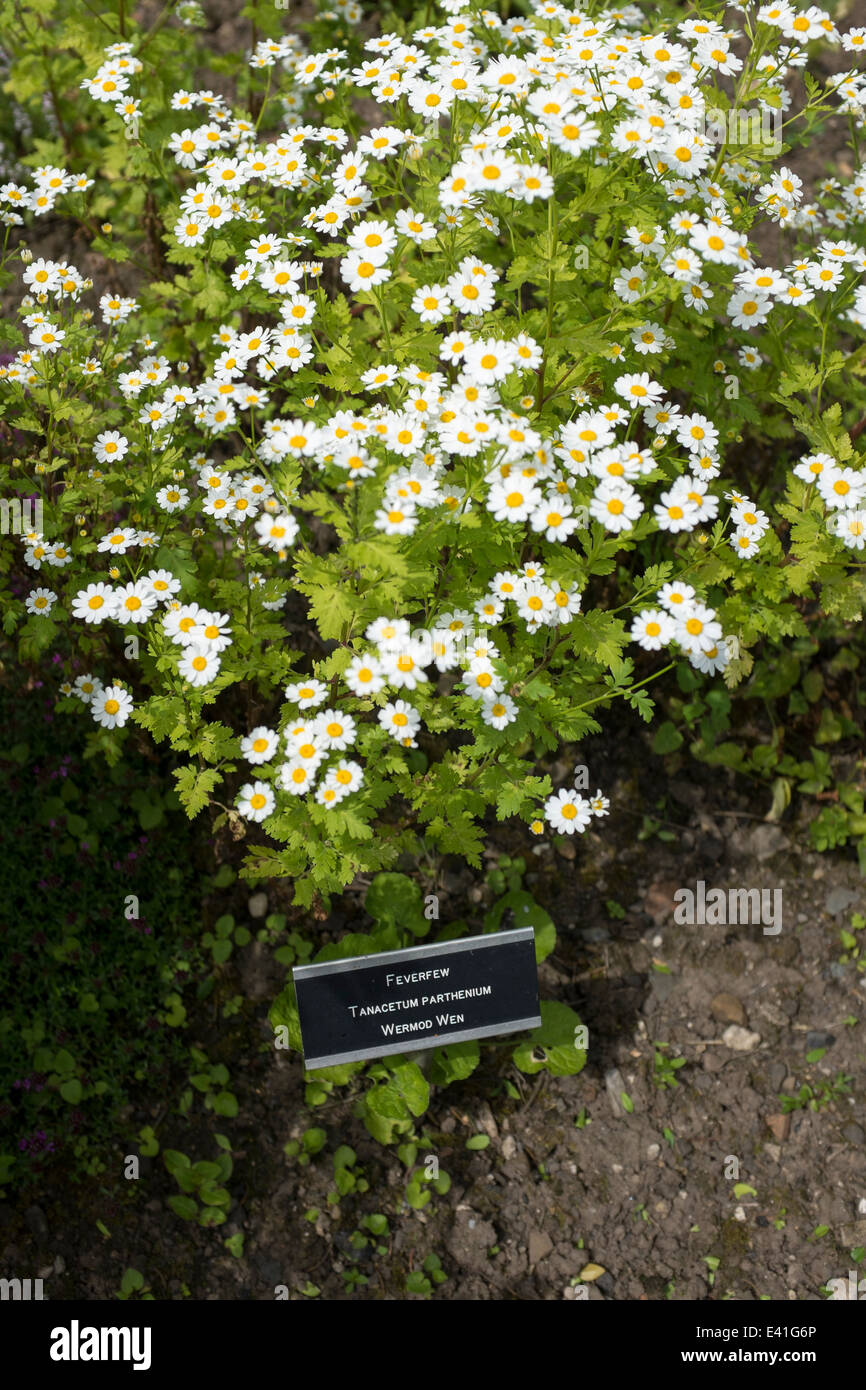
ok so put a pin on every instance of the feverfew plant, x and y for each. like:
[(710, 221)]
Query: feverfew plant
[(392, 443)]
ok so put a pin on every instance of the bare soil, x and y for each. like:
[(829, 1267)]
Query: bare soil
[(647, 1195)]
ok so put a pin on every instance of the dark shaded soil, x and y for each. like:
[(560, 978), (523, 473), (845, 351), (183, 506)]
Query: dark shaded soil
[(647, 1195)]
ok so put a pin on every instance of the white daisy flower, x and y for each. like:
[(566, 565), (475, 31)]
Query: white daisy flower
[(306, 694), (95, 603), (134, 602), (111, 707), (652, 629), (401, 720), (260, 745), (335, 729), (568, 811), (110, 446), (198, 665), (40, 602), (256, 801)]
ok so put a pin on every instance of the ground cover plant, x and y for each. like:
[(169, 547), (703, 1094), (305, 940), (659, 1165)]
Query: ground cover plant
[(100, 939), (407, 398)]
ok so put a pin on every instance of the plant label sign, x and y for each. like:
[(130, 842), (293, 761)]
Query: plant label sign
[(426, 996)]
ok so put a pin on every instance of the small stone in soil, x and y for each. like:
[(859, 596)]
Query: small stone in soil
[(540, 1245), (740, 1039), (659, 901), (776, 1073), (614, 1085), (593, 936), (662, 986), (712, 1062), (817, 1037), (727, 1009), (837, 900), (855, 1234), (780, 1126)]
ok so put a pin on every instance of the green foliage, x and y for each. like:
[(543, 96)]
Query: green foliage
[(100, 915), (203, 1196), (312, 1142), (212, 1082), (422, 1281), (818, 1096), (395, 900), (665, 1067), (806, 739), (552, 1047), (132, 1286)]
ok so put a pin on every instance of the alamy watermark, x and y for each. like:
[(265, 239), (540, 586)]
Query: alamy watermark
[(17, 518), (748, 125), (77, 1343), (736, 907), (852, 1288), (21, 1290)]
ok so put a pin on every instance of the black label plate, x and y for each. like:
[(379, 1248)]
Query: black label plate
[(399, 1001)]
